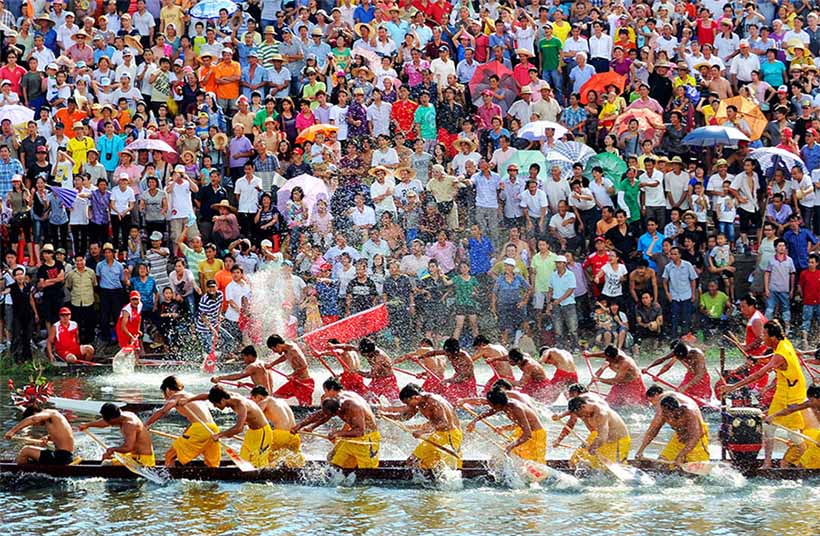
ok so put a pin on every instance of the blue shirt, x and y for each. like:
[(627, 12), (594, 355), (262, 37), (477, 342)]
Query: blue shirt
[(510, 293), (7, 169), (811, 156), (108, 52), (110, 151), (562, 283), (679, 278), (798, 244), (643, 246), (110, 277), (259, 75), (480, 253), (362, 15), (486, 189), (147, 289), (327, 295)]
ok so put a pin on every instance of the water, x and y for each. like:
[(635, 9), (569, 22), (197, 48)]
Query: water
[(329, 504)]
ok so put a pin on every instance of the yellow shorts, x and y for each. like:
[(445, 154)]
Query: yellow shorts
[(614, 451), (535, 449), (429, 456), (196, 441), (256, 446), (811, 457), (147, 460), (357, 452), (793, 421), (698, 454), (286, 449)]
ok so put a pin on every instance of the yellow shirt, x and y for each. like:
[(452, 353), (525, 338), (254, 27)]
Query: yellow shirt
[(791, 387), (561, 30), (78, 149), (172, 14), (687, 80), (208, 270)]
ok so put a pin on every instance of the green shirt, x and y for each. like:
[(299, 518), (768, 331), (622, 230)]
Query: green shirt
[(425, 117), (310, 90), (632, 197), (464, 290), (550, 53), (543, 270), (193, 259), (261, 116), (714, 305)]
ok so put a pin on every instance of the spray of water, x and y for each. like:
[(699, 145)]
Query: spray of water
[(270, 299)]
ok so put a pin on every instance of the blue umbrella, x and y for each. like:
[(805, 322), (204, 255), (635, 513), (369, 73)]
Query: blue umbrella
[(66, 195), (712, 135), (209, 9)]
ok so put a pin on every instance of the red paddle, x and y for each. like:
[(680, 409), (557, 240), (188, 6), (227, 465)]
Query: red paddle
[(209, 363), (676, 389)]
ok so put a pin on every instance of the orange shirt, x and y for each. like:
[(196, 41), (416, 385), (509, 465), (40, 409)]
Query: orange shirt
[(210, 83), (222, 69), (223, 278), (68, 119)]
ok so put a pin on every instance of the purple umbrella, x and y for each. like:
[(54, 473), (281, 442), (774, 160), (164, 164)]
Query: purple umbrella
[(314, 189), (150, 145)]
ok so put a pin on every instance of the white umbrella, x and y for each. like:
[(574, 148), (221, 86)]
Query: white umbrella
[(554, 158), (536, 131), (16, 114), (769, 157), (575, 151)]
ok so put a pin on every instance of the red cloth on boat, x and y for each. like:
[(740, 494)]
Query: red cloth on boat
[(456, 391), (384, 386), (701, 390), (353, 381), (756, 350), (628, 394), (302, 390)]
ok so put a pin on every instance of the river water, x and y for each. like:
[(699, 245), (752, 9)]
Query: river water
[(724, 505)]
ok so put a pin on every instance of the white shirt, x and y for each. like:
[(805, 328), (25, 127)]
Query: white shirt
[(235, 292), (338, 117), (143, 22), (805, 184), (181, 205), (387, 204), (556, 191), (441, 69), (581, 45), (384, 158), (600, 192), (79, 212), (676, 185), (715, 184), (367, 216), (726, 46), (534, 203), (612, 280), (64, 34), (557, 222), (600, 47), (379, 119), (500, 157), (653, 195), (121, 199), (247, 194), (582, 204), (741, 183), (743, 67), (668, 45)]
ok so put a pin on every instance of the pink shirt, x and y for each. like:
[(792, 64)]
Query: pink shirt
[(445, 255)]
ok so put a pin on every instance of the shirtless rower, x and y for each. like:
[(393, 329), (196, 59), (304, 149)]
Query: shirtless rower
[(196, 439), (575, 390), (696, 383), (608, 439), (533, 381), (58, 431), (565, 372), (462, 383), (137, 441), (350, 377), (382, 378), (255, 369), (430, 362), (358, 441), (286, 448), (299, 385), (790, 385), (531, 437), (690, 443), (495, 355), (498, 385), (809, 453), (256, 446), (64, 340), (442, 427), (627, 385)]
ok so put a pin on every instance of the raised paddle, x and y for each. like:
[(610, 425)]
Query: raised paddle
[(410, 431), (209, 363), (243, 465), (324, 364), (237, 385), (793, 432), (677, 390), (130, 463)]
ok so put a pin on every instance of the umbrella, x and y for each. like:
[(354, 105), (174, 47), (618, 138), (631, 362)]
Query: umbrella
[(66, 195), (373, 60), (209, 9), (309, 134), (554, 158), (710, 136), (481, 81), (747, 110), (523, 159), (575, 151), (150, 144), (648, 121), (536, 130), (314, 189), (613, 165), (16, 114), (600, 81), (772, 157)]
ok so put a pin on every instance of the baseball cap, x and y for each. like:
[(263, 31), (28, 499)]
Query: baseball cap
[(64, 311), (134, 294), (509, 262)]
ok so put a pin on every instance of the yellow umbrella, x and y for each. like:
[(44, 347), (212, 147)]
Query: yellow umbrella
[(748, 111), (309, 134)]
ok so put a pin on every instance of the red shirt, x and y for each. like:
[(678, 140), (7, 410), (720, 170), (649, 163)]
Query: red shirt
[(596, 261), (13, 75), (706, 35), (403, 113), (810, 287), (67, 340)]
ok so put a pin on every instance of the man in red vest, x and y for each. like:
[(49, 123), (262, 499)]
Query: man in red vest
[(64, 340), (128, 325)]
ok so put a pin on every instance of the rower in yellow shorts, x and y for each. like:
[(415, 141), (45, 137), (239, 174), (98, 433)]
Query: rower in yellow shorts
[(608, 439), (790, 387), (137, 441), (256, 447), (530, 436), (803, 453), (286, 447), (196, 441), (357, 444), (690, 442)]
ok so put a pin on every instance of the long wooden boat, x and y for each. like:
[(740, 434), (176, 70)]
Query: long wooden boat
[(317, 472)]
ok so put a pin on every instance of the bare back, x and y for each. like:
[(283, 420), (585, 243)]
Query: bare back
[(523, 415), (560, 359), (278, 413), (604, 417), (439, 412), (356, 412), (195, 411), (132, 426), (58, 429)]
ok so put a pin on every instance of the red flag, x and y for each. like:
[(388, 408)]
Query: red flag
[(345, 330)]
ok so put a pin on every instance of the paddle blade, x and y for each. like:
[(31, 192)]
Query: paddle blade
[(139, 469), (124, 361), (627, 474), (540, 472), (243, 465), (209, 363), (699, 468)]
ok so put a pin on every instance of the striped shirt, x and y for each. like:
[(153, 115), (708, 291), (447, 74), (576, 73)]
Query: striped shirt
[(210, 308), (266, 51), (7, 169)]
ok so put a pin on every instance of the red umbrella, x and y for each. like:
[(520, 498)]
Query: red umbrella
[(481, 81), (648, 122), (599, 82)]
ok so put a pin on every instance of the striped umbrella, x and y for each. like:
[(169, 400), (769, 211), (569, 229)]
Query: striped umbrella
[(554, 158), (66, 195), (574, 150)]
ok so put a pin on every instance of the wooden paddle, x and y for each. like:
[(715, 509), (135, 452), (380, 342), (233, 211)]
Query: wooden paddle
[(243, 465), (793, 432), (209, 363), (163, 434), (409, 373), (237, 385), (410, 431), (592, 379), (695, 468), (332, 440), (677, 390), (130, 463)]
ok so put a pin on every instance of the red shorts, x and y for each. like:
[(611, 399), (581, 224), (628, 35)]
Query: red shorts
[(302, 390), (432, 385), (384, 386), (454, 392), (491, 382), (629, 394), (353, 382), (701, 391), (564, 378), (540, 391)]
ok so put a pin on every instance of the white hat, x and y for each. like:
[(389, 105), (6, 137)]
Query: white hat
[(267, 243), (179, 168), (560, 258), (124, 175), (509, 262), (156, 235)]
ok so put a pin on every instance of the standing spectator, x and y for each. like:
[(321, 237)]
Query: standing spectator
[(111, 276), (778, 283), (51, 281), (508, 301), (800, 241), (680, 287), (561, 302), (24, 315), (80, 283), (809, 289)]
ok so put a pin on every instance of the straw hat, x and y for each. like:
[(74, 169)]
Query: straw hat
[(368, 73), (405, 169), (81, 33), (224, 204), (460, 141), (358, 28), (372, 172), (220, 141), (133, 42), (128, 152), (523, 52), (45, 18)]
